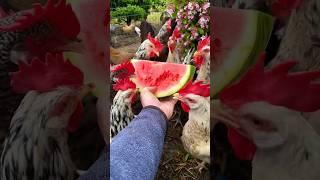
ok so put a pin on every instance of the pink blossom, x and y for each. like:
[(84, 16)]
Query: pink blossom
[(170, 11), (206, 6)]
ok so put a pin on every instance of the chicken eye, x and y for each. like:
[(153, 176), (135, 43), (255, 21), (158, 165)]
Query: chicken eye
[(206, 50), (191, 101), (254, 120)]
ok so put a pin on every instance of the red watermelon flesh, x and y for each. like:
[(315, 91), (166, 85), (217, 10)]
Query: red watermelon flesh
[(168, 78)]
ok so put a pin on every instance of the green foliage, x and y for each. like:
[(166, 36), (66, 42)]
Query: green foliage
[(154, 18), (131, 12), (127, 10)]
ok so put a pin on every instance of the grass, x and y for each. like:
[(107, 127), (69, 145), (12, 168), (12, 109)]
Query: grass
[(154, 17)]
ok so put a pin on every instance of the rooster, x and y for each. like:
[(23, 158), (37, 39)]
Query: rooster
[(195, 137), (121, 111), (202, 60), (36, 146), (173, 55), (163, 35), (150, 48), (28, 34), (121, 108), (271, 129)]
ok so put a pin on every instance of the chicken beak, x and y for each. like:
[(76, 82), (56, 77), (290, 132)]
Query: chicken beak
[(177, 96), (197, 54), (157, 53)]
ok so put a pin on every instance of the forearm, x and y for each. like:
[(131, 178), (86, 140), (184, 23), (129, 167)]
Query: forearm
[(136, 150)]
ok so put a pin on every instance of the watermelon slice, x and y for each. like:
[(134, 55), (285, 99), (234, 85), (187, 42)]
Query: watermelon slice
[(168, 78), (243, 35)]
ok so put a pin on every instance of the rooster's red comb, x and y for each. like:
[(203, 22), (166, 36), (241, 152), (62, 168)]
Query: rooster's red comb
[(204, 42), (59, 15), (176, 34), (123, 70), (197, 88), (45, 76), (282, 8), (157, 44), (276, 86), (124, 84)]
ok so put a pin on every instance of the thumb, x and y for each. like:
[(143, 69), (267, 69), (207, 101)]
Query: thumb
[(151, 89)]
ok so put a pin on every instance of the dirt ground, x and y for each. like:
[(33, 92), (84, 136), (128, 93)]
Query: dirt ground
[(176, 163)]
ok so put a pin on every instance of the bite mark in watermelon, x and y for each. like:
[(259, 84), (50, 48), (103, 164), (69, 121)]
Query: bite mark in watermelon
[(168, 78), (243, 34)]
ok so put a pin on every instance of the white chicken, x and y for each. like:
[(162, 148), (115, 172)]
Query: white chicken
[(267, 106), (287, 145), (196, 132)]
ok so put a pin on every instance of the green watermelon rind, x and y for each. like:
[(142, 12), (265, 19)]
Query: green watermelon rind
[(190, 71), (261, 24), (267, 24)]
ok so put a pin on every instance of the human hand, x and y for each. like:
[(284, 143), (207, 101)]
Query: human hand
[(149, 99)]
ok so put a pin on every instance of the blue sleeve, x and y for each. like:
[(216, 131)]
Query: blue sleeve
[(136, 151), (99, 170)]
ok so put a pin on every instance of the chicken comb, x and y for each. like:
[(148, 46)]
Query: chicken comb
[(169, 23), (46, 75), (276, 86), (242, 147), (124, 69), (197, 88), (59, 15), (157, 44), (204, 42), (176, 34), (198, 60), (124, 84), (283, 8)]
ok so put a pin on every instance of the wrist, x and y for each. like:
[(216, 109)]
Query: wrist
[(157, 108)]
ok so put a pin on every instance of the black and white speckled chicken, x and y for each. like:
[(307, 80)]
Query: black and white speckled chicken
[(27, 34), (121, 108), (36, 146), (121, 111), (150, 48), (196, 132)]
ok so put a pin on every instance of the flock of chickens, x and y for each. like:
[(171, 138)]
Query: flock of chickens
[(196, 133)]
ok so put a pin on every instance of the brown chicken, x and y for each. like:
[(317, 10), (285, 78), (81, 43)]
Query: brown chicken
[(118, 56)]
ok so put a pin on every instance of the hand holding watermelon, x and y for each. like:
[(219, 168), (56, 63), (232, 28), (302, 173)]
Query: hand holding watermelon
[(149, 99)]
